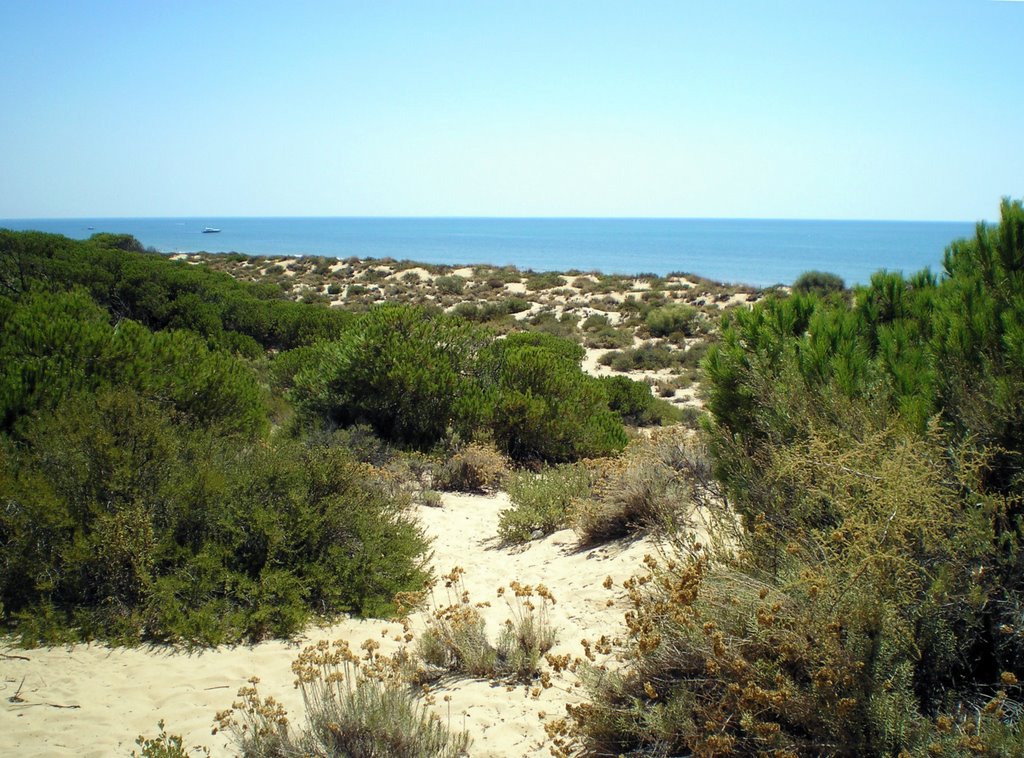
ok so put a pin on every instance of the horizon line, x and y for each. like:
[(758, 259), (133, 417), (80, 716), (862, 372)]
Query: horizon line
[(506, 218)]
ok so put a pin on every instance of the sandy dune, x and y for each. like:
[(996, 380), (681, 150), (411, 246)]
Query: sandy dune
[(90, 700)]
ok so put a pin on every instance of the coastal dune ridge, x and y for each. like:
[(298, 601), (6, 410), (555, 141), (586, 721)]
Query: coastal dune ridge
[(756, 252)]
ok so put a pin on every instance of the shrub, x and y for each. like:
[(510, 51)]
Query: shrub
[(55, 344), (549, 323), (354, 708), (676, 321), (844, 601), (542, 502), (634, 403), (164, 745), (808, 640), (645, 490), (488, 311), (545, 281), (542, 405), (401, 370), (650, 356), (455, 638), (818, 282), (450, 285), (124, 525), (474, 468)]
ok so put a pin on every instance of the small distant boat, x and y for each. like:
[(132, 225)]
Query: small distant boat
[(90, 228), (211, 230)]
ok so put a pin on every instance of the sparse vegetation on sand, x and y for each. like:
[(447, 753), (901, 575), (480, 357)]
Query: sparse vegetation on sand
[(836, 564)]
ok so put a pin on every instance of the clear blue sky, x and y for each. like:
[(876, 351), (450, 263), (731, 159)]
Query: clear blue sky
[(887, 109)]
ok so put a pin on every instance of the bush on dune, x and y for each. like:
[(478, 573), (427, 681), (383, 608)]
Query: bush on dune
[(859, 592), (542, 406), (414, 376), (124, 524), (542, 502), (354, 707), (402, 370)]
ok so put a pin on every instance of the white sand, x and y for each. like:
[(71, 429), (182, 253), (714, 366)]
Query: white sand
[(116, 694)]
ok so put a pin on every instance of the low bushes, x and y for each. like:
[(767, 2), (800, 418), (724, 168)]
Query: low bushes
[(633, 402), (475, 467), (451, 284), (818, 282), (400, 369), (456, 636), (543, 407), (354, 707), (414, 375), (122, 524), (541, 503), (673, 321), (650, 356), (646, 488)]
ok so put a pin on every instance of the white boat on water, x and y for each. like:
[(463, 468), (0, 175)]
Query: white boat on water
[(211, 230)]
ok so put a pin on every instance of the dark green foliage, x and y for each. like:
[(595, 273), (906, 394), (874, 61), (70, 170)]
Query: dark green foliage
[(650, 356), (160, 293), (567, 350), (54, 344), (633, 402), (400, 369), (121, 523), (544, 281), (550, 323), (450, 285), (140, 498), (491, 310), (818, 282), (542, 406)]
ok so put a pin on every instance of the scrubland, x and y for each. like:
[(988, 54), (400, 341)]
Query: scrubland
[(507, 512)]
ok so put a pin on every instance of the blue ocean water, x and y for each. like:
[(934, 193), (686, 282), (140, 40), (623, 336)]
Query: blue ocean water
[(748, 251)]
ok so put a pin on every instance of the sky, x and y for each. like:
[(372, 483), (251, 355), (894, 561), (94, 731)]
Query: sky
[(888, 109)]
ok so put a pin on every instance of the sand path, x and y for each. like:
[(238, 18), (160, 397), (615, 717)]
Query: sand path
[(91, 700)]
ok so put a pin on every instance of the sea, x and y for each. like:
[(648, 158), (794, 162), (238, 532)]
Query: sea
[(758, 252)]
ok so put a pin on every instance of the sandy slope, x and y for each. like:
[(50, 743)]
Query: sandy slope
[(109, 696)]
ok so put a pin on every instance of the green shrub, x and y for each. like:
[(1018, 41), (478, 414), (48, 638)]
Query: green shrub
[(818, 282), (401, 370), (488, 311), (608, 338), (545, 281), (862, 532), (54, 344), (650, 356), (125, 525), (541, 503), (561, 326), (633, 402), (544, 407), (676, 321), (450, 285), (164, 745)]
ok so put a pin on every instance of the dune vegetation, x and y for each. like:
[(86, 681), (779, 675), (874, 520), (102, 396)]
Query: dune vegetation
[(205, 449)]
